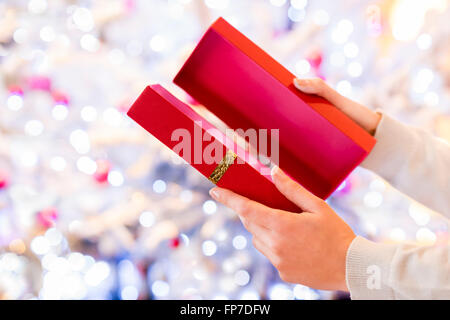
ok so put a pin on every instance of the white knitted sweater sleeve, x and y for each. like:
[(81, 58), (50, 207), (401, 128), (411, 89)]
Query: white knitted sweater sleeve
[(417, 164)]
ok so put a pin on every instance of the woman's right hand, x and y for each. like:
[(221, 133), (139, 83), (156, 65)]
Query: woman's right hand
[(366, 118)]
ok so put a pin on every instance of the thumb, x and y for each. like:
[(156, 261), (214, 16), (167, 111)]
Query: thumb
[(319, 87), (295, 192)]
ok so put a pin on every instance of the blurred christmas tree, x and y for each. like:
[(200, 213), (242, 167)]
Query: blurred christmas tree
[(91, 206)]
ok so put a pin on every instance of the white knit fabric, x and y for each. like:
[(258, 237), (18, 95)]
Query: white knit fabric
[(417, 164)]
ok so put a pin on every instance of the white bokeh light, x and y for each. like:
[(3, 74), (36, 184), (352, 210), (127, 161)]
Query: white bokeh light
[(239, 242), (299, 4), (37, 6), (40, 245), (431, 99), (426, 236), (397, 234), (89, 43), (344, 87), (59, 265), (422, 80), (158, 43), (280, 291), (160, 288), (47, 34), (209, 248), (424, 41), (79, 139), (14, 102), (129, 293), (342, 31), (304, 293), (405, 27), (98, 272), (76, 261), (83, 20), (54, 236), (48, 260), (345, 26), (354, 69), (159, 186), (209, 207), (420, 214), (20, 35), (302, 67), (34, 128), (296, 15), (249, 295), (373, 199), (88, 113), (147, 219), (58, 163), (278, 3), (115, 178), (86, 165), (60, 112), (112, 117), (241, 277)]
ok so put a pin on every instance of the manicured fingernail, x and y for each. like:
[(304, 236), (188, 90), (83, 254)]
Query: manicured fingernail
[(214, 193)]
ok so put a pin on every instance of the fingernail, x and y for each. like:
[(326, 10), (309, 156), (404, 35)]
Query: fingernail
[(300, 82), (274, 170), (214, 193)]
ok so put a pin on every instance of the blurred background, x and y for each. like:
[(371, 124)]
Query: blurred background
[(93, 207)]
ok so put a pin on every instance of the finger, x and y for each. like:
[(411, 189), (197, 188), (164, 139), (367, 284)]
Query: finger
[(319, 87), (366, 118), (265, 249), (251, 211), (295, 192), (256, 230)]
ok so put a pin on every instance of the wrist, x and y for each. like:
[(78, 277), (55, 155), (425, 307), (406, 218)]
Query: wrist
[(375, 119), (343, 279)]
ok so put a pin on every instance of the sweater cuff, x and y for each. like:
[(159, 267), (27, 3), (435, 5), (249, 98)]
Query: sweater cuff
[(368, 269), (394, 141)]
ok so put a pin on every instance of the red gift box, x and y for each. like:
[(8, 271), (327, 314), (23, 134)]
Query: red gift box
[(235, 79), (205, 148)]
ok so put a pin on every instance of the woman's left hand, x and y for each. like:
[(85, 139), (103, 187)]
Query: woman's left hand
[(309, 248)]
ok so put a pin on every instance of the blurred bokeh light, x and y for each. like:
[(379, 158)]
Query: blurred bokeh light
[(93, 207)]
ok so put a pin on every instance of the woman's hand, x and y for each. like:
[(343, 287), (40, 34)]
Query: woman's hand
[(308, 247), (366, 118)]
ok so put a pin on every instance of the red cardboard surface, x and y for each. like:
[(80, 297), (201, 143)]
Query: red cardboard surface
[(160, 113), (319, 146)]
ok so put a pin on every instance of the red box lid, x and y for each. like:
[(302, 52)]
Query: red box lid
[(246, 88)]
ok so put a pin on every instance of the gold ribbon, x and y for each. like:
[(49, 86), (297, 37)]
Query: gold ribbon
[(222, 167)]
